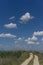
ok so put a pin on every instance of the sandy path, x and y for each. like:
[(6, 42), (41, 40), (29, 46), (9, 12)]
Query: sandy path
[(28, 60), (36, 61)]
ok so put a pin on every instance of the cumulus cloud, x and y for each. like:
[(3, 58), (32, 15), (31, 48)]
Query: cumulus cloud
[(10, 25), (38, 33), (34, 38), (26, 17), (31, 40), (7, 35), (42, 39), (18, 40), (12, 18)]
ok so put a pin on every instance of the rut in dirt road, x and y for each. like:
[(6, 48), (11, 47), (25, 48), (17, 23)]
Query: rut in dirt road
[(28, 60), (36, 61)]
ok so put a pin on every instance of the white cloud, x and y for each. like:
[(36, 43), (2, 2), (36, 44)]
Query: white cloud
[(38, 33), (31, 40), (10, 25), (42, 39), (12, 18), (7, 35), (18, 40), (26, 17), (34, 38)]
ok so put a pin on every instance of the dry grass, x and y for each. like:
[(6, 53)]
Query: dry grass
[(16, 58)]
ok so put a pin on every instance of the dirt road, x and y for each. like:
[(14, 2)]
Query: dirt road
[(28, 60), (36, 61)]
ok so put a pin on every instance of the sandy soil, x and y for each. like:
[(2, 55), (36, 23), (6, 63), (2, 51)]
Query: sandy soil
[(28, 60), (36, 61)]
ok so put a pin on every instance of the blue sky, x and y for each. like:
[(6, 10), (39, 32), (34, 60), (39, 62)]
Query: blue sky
[(21, 24)]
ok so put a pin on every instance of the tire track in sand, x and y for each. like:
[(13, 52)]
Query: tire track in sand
[(28, 60)]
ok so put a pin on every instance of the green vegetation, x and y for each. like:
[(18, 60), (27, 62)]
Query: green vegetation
[(17, 57)]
